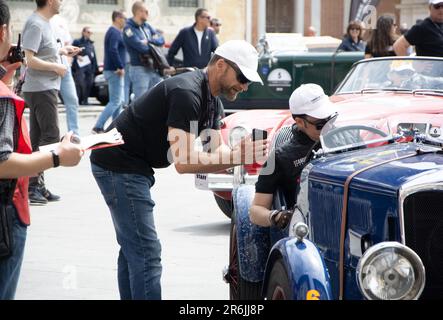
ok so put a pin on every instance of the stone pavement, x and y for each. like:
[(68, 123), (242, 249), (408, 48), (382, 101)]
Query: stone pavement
[(71, 251)]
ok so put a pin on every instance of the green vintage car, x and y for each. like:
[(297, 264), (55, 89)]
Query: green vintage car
[(288, 60)]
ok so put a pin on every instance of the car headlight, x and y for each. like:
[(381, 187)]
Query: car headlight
[(390, 271), (236, 134)]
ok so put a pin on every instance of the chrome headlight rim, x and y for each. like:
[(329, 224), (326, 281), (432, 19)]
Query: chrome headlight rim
[(410, 255), (234, 140)]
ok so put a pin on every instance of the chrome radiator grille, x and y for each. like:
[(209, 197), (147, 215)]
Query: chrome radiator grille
[(423, 219)]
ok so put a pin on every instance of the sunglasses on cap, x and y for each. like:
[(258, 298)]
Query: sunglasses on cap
[(438, 6), (240, 76)]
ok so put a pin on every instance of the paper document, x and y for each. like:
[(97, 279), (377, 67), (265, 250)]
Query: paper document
[(93, 141), (83, 61)]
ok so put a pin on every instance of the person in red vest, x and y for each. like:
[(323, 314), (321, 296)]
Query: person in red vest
[(17, 162)]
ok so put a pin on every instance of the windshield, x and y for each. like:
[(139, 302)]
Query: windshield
[(395, 74), (339, 135)]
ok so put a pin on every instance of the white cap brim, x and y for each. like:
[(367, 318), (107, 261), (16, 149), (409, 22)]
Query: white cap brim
[(326, 109), (250, 74)]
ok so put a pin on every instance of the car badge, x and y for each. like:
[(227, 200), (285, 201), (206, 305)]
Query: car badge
[(435, 132)]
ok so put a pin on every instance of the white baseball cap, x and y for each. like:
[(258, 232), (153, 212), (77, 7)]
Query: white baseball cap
[(435, 1), (310, 99), (244, 55)]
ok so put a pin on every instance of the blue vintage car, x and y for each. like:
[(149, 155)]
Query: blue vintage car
[(368, 223)]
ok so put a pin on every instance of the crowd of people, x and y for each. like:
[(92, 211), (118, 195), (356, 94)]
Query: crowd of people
[(180, 108)]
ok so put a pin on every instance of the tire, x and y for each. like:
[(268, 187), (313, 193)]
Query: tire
[(279, 287), (239, 289), (224, 205)]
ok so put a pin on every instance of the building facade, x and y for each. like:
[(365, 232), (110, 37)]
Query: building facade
[(241, 19)]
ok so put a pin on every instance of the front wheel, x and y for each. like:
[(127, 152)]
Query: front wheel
[(239, 288), (279, 287)]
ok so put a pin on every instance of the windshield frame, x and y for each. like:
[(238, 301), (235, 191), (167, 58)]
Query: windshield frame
[(366, 61)]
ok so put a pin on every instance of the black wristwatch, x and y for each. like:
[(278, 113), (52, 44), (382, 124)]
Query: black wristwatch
[(55, 159), (272, 216)]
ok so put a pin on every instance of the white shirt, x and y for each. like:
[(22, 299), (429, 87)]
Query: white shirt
[(199, 38)]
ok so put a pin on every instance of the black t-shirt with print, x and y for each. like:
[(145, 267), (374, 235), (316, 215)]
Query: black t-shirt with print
[(427, 37), (177, 102), (289, 159)]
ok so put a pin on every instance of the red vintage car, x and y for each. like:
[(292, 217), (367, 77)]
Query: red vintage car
[(404, 92)]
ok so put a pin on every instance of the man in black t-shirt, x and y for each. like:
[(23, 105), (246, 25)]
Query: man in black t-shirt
[(159, 128), (311, 110), (427, 36)]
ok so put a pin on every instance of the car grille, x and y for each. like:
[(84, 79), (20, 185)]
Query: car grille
[(423, 216)]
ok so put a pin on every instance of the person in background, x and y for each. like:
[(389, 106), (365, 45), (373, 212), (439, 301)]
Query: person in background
[(16, 163), (311, 32), (115, 56), (404, 28), (382, 38), (85, 66), (198, 42), (137, 33), (353, 38), (67, 85), (42, 85), (426, 36), (216, 25)]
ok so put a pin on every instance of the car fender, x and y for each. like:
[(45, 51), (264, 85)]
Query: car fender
[(253, 242), (307, 272)]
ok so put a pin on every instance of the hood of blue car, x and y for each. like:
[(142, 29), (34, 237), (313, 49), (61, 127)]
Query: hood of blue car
[(385, 177)]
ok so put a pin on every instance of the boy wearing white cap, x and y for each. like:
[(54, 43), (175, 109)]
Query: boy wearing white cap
[(159, 129), (427, 36), (311, 110)]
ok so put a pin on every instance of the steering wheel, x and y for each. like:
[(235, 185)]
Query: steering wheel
[(339, 130)]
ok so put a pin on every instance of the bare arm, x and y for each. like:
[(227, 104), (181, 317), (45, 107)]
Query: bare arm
[(22, 165), (189, 160), (401, 46), (38, 64), (10, 71), (261, 209)]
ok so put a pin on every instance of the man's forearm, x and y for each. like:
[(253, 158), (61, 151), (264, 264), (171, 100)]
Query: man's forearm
[(39, 64), (22, 165), (203, 162)]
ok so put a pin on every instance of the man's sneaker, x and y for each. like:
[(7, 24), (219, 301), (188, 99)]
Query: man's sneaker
[(36, 198), (97, 130), (49, 196)]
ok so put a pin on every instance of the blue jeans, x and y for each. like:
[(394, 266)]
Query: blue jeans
[(129, 200), (69, 95), (128, 84), (142, 79), (116, 97), (10, 267)]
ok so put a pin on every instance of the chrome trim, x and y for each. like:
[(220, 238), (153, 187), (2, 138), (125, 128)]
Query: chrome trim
[(432, 181)]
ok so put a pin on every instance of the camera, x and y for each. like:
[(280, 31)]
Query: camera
[(16, 54)]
